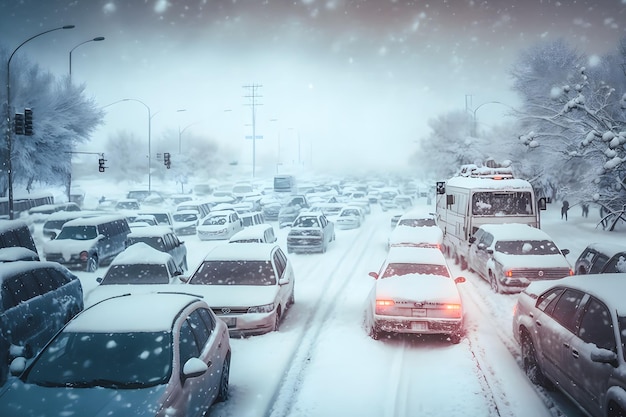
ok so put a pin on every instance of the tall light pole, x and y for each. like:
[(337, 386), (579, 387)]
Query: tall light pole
[(9, 136), (69, 175), (98, 39), (474, 122)]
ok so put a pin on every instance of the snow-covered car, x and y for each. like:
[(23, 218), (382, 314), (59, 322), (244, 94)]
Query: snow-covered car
[(602, 258), (510, 256), (185, 222), (86, 243), (350, 217), (163, 217), (416, 228), (258, 233), (310, 232), (140, 354), (163, 239), (571, 332), (249, 285), (139, 268), (415, 293), (290, 211), (219, 225), (38, 298)]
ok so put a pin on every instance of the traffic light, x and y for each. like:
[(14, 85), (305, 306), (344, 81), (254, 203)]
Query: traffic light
[(101, 166), (166, 160), (28, 122), (19, 123)]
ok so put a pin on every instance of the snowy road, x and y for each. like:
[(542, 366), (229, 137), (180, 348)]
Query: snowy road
[(323, 363)]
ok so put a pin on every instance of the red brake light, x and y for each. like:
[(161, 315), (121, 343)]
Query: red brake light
[(385, 303), (508, 273)]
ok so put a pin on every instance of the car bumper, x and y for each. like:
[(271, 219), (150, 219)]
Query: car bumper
[(301, 245), (249, 324), (213, 235), (397, 324), (73, 263)]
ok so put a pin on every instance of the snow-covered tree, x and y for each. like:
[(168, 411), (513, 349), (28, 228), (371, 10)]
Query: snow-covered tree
[(574, 123), (62, 118)]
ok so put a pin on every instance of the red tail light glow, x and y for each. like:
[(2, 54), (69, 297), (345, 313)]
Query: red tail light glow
[(385, 303)]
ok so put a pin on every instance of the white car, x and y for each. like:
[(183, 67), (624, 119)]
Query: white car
[(511, 256), (249, 286), (350, 217), (219, 225), (414, 292), (416, 228), (185, 222), (258, 233)]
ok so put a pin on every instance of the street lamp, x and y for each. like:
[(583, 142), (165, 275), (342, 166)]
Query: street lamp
[(474, 124), (69, 175), (9, 135), (98, 39)]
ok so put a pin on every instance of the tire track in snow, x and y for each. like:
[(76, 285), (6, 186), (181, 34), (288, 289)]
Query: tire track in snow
[(286, 393)]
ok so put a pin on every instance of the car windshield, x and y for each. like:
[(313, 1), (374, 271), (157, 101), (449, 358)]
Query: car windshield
[(136, 274), (109, 360), (396, 269), (234, 273), (306, 222), (78, 233), (215, 220), (417, 222), (527, 247)]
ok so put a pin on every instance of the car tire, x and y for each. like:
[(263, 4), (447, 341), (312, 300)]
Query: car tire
[(493, 282), (374, 332), (455, 338), (324, 247), (463, 263), (223, 391), (92, 264), (276, 321), (530, 364), (292, 298)]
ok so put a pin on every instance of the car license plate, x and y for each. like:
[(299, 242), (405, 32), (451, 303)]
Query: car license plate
[(419, 312), (419, 326), (230, 321)]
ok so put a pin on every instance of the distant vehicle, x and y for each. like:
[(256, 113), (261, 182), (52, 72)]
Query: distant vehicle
[(249, 285), (40, 213), (219, 225), (55, 221), (127, 204), (259, 233), (141, 355), (203, 207), (481, 196), (252, 218), (163, 217), (414, 292), (285, 183), (38, 298), (601, 258), (571, 332), (85, 243), (350, 217), (510, 256), (185, 222), (311, 232), (292, 209)]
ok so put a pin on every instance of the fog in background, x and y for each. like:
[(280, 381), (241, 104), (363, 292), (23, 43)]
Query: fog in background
[(337, 77)]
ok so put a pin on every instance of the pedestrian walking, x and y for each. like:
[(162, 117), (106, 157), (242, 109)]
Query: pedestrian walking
[(585, 207), (564, 209)]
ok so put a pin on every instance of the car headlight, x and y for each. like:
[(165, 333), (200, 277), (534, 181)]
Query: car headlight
[(265, 308)]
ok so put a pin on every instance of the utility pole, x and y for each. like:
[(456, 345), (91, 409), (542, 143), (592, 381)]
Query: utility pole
[(253, 96)]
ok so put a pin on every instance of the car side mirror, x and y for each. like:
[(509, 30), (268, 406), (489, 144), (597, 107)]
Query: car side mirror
[(184, 278), (472, 239), (565, 251), (99, 280), (459, 280), (194, 367), (53, 236), (373, 275), (283, 281)]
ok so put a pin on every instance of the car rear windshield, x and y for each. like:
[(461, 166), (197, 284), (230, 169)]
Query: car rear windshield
[(136, 274), (110, 360), (234, 273), (417, 222), (395, 269), (527, 247)]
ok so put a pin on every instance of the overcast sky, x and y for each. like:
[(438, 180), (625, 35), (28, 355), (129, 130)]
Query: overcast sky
[(337, 73)]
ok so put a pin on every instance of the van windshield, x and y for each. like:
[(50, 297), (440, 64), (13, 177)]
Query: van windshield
[(78, 233)]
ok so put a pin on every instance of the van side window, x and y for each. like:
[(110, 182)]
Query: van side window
[(19, 288)]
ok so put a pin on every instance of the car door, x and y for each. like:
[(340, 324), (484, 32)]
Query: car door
[(197, 340), (588, 379), (554, 333), (279, 266), (473, 249), (482, 256)]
